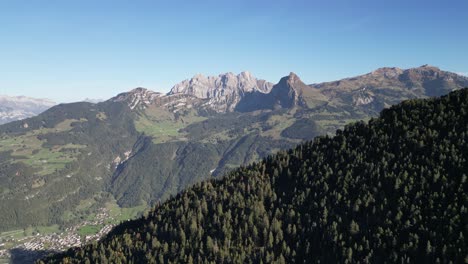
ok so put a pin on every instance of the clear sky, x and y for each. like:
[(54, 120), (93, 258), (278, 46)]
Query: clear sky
[(67, 50)]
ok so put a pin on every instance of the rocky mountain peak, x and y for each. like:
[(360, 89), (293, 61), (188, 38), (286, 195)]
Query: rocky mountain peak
[(137, 97), (426, 70), (246, 75), (199, 76), (293, 79), (223, 91), (288, 92), (427, 66), (212, 86), (387, 72), (139, 90)]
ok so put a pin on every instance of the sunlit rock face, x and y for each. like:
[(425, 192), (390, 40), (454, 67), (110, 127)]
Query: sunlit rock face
[(224, 91)]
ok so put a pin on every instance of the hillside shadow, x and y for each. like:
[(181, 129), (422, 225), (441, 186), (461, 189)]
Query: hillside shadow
[(25, 256)]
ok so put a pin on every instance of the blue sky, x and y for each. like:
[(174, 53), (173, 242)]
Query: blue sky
[(68, 50)]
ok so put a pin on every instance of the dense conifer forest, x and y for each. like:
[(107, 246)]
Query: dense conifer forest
[(393, 190)]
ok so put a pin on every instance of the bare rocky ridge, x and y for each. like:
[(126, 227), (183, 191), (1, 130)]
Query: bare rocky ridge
[(223, 92), (138, 97), (386, 86)]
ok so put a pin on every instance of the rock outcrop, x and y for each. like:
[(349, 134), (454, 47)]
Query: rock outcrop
[(222, 92)]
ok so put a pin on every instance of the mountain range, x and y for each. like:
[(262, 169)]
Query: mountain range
[(390, 190), (141, 147), (20, 107)]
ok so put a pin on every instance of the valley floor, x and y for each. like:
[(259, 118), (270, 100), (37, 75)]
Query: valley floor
[(26, 246)]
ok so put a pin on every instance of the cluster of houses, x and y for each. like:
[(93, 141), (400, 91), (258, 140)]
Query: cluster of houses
[(53, 242), (62, 241)]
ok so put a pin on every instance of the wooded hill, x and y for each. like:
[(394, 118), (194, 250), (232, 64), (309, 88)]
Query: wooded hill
[(392, 190)]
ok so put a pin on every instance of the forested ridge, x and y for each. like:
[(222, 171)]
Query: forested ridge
[(393, 190)]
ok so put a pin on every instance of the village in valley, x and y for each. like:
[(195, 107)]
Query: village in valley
[(29, 247)]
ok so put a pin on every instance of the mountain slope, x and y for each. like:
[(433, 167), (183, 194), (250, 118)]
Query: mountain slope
[(51, 162), (20, 107), (140, 147), (387, 86), (393, 190), (135, 148)]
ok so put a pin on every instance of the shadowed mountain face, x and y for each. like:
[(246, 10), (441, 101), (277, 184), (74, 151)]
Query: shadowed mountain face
[(390, 190), (19, 107), (140, 147), (290, 92)]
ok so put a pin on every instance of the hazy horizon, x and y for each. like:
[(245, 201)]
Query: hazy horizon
[(69, 51)]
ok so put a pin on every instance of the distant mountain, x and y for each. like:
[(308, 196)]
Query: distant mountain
[(392, 190), (141, 147), (387, 86), (223, 92), (370, 92), (20, 107), (288, 93)]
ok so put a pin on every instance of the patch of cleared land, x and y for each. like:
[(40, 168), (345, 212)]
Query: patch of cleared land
[(163, 126), (29, 149)]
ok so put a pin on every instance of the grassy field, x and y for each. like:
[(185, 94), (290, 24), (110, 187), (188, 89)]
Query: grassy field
[(161, 131), (163, 126), (89, 230), (48, 160), (82, 210), (132, 212), (29, 149), (19, 233), (48, 229), (124, 214), (85, 204)]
